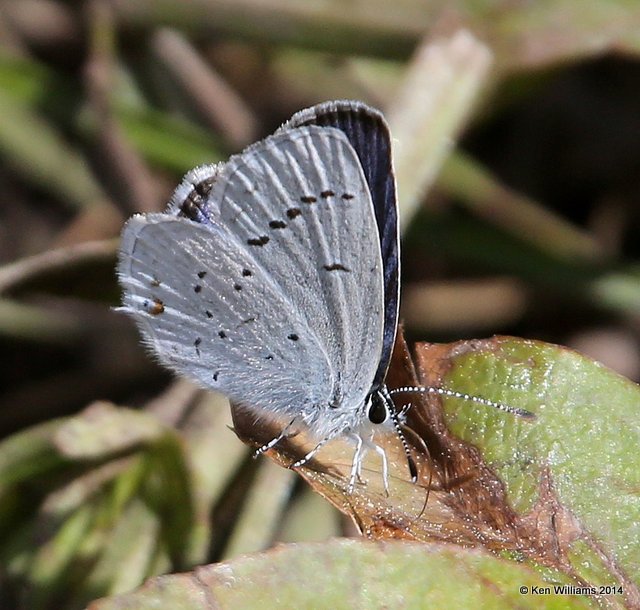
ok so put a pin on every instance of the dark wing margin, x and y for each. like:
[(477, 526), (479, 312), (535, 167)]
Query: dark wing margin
[(368, 133)]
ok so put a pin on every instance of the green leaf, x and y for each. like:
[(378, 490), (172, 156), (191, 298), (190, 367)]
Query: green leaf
[(350, 574), (36, 149), (28, 454), (577, 463), (31, 87)]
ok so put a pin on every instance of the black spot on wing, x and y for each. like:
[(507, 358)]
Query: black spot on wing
[(201, 274), (277, 224), (191, 207), (222, 334), (196, 344), (208, 313), (197, 288), (293, 337), (246, 273), (293, 212), (308, 199), (347, 196), (336, 267), (203, 188), (237, 287), (194, 205), (326, 194), (258, 241)]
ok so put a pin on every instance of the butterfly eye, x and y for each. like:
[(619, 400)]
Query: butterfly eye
[(378, 412)]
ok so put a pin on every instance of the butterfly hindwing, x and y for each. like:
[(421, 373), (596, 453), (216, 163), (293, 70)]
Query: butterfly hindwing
[(180, 280)]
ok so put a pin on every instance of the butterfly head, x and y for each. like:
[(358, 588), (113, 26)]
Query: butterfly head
[(378, 407)]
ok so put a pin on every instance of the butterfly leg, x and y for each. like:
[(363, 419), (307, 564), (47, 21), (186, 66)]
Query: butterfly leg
[(358, 457), (385, 467), (306, 458), (274, 441), (356, 464)]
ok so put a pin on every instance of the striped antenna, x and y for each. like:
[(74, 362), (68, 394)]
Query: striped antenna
[(470, 397)]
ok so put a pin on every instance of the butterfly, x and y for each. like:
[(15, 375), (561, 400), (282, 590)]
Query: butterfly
[(274, 279)]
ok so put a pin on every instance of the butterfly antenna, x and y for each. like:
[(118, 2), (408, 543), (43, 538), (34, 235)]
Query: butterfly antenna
[(463, 396), (421, 442)]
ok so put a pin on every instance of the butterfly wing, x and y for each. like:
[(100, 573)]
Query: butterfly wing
[(275, 296), (368, 134), (180, 280)]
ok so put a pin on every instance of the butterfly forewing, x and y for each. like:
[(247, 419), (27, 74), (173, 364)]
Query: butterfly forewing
[(300, 204), (368, 134)]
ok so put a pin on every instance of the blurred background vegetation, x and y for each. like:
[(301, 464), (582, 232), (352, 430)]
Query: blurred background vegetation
[(518, 158)]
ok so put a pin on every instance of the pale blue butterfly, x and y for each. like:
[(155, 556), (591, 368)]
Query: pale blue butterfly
[(274, 278)]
